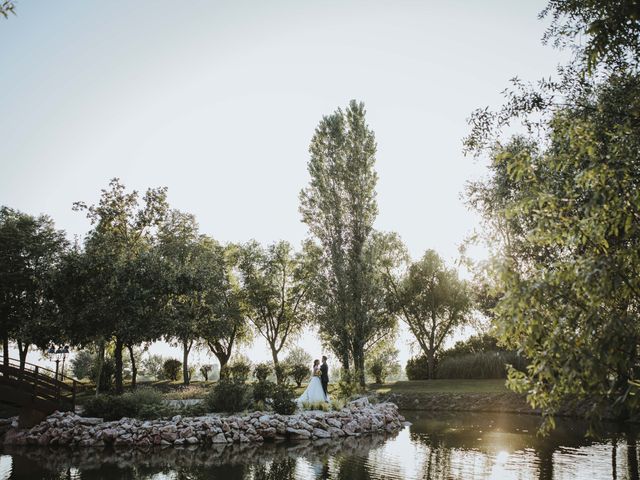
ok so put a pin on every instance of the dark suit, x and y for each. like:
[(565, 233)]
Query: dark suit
[(324, 377)]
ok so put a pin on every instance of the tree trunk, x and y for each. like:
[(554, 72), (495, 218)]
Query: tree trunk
[(23, 350), (118, 366), (134, 368), (358, 363), (276, 366), (431, 365), (5, 348), (186, 348), (100, 364), (632, 454)]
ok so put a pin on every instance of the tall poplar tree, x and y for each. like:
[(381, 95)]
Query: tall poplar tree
[(339, 206)]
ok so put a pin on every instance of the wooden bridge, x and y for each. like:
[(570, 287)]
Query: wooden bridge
[(36, 390)]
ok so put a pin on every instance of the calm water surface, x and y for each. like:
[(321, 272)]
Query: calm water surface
[(436, 446)]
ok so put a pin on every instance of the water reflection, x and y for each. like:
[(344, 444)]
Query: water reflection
[(436, 446)]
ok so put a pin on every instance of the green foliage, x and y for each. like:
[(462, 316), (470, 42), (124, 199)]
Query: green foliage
[(153, 366), (299, 372), (474, 344), (107, 374), (140, 403), (339, 207), (30, 251), (7, 7), (82, 364), (229, 395), (274, 283), (417, 368), (205, 371), (283, 398), (349, 384), (432, 301), (383, 362), (480, 365), (171, 369), (239, 370), (261, 371), (297, 355), (604, 30), (262, 390)]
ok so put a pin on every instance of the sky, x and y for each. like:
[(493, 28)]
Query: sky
[(218, 101)]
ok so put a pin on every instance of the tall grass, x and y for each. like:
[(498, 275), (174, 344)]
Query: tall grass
[(480, 365)]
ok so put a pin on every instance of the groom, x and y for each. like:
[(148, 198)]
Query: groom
[(324, 375)]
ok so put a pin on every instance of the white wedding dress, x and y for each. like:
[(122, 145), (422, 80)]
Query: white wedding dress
[(314, 392)]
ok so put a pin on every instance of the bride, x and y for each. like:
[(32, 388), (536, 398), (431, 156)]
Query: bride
[(314, 392)]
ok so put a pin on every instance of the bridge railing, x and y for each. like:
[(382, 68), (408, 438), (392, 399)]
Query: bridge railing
[(42, 383)]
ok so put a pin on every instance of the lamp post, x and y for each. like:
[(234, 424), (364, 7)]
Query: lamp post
[(60, 352)]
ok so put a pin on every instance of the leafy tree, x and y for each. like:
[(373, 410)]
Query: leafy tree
[(274, 286), (339, 207), (383, 362), (299, 372), (152, 366), (120, 272), (82, 364), (298, 355), (205, 371), (609, 30), (193, 267), (30, 251), (171, 369), (225, 327), (432, 301)]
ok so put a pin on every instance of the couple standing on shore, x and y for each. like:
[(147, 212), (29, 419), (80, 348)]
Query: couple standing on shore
[(317, 389)]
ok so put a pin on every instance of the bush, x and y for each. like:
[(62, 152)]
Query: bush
[(480, 365), (262, 390), (142, 402), (239, 370), (474, 344), (171, 369), (262, 371), (299, 372), (382, 363), (348, 384), (229, 395), (417, 368), (283, 400)]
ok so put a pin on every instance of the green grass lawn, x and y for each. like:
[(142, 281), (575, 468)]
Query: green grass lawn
[(441, 386)]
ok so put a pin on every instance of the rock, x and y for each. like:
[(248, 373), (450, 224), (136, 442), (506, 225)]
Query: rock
[(298, 433), (319, 433), (351, 428), (90, 421), (219, 438), (192, 440)]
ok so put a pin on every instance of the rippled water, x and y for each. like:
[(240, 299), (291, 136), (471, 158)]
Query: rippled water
[(436, 446)]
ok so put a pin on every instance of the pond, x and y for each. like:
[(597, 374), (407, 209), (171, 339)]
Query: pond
[(437, 446)]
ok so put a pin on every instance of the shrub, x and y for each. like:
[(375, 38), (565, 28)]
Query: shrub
[(283, 400), (262, 390), (479, 365), (299, 372), (262, 371), (142, 401), (417, 368), (348, 384), (106, 376), (171, 369), (229, 395), (239, 370), (474, 344)]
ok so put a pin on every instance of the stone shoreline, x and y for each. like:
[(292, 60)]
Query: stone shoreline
[(69, 429)]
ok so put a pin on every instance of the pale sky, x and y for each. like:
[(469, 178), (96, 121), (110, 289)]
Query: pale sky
[(218, 100)]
